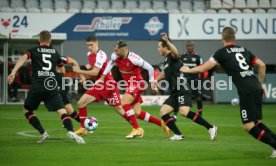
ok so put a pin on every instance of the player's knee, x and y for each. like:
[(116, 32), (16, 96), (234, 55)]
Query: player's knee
[(163, 112), (81, 104), (25, 111), (184, 111), (248, 126)]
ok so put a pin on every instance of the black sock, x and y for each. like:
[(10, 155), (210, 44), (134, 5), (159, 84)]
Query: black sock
[(67, 122), (199, 120), (263, 136), (33, 120), (266, 129), (169, 121), (199, 104), (75, 116)]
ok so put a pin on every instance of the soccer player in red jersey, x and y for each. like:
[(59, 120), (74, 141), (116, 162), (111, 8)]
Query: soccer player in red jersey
[(107, 90), (130, 65)]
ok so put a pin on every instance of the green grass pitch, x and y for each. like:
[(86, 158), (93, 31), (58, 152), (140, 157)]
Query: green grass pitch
[(107, 145)]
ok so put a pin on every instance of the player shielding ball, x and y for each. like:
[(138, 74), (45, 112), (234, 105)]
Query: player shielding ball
[(44, 61), (238, 62), (106, 90), (130, 65)]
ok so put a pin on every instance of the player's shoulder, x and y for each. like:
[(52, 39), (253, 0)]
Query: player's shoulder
[(114, 56), (101, 54), (134, 56)]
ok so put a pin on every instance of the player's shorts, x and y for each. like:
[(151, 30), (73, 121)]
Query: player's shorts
[(136, 91), (178, 99), (66, 98), (51, 99), (195, 88), (251, 106), (110, 94)]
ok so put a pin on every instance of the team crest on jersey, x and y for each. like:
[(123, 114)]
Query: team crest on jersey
[(153, 25), (193, 59), (128, 64)]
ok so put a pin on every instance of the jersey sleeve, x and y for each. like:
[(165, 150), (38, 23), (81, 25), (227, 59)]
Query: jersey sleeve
[(216, 58), (29, 53), (110, 64), (136, 59), (200, 61), (252, 57), (64, 59), (59, 61), (100, 60)]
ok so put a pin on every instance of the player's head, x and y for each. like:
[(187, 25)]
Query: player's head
[(121, 48), (45, 37), (190, 47), (92, 44), (163, 48), (228, 35)]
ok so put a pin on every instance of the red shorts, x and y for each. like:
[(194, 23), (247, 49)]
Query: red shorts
[(136, 90), (110, 95)]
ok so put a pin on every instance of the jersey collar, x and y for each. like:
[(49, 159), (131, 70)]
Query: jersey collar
[(230, 44)]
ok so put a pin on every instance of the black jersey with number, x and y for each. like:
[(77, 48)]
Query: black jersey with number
[(44, 60), (173, 75), (237, 62), (191, 61)]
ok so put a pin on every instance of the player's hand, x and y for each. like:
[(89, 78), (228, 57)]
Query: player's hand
[(76, 69), (153, 85), (88, 66), (82, 78), (184, 69), (164, 36), (260, 84), (11, 79)]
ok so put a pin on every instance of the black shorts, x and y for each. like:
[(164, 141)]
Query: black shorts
[(51, 99), (179, 99), (251, 106), (66, 98), (196, 87)]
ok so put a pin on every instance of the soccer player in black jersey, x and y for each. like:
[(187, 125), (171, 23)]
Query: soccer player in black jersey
[(64, 90), (191, 59), (238, 62), (180, 95), (44, 61)]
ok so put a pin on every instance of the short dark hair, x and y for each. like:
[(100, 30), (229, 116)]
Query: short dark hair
[(91, 38), (44, 36), (120, 44), (228, 34), (163, 42)]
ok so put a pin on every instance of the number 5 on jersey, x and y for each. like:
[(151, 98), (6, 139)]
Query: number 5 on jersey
[(45, 58)]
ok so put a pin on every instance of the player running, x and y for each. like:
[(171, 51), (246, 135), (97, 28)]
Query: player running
[(130, 65), (238, 62), (180, 96), (44, 61), (107, 90)]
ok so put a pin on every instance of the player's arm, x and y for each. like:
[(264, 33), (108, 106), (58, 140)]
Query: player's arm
[(260, 65), (108, 68), (93, 72), (199, 69), (172, 47), (150, 70), (75, 63), (160, 76), (19, 63)]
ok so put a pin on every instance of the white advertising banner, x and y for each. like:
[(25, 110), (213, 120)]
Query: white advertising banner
[(25, 23), (209, 26)]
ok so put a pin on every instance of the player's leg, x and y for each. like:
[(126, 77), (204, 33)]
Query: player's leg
[(31, 103), (259, 134), (66, 120), (199, 104), (82, 103), (136, 131), (127, 99), (71, 112), (169, 121), (68, 106), (262, 126)]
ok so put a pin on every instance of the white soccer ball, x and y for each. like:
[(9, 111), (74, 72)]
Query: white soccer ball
[(91, 123), (235, 101)]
